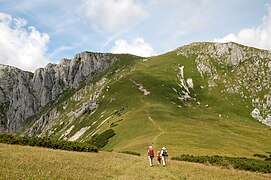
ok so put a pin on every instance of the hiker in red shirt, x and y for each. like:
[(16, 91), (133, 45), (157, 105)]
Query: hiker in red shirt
[(159, 157), (150, 155)]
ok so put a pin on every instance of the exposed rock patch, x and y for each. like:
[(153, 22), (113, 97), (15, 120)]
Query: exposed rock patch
[(141, 88), (79, 133), (185, 85)]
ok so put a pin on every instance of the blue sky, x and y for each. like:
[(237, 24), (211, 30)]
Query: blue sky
[(34, 33)]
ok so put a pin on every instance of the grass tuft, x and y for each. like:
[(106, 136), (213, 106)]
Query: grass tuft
[(130, 152)]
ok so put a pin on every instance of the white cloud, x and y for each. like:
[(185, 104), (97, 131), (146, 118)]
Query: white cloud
[(113, 15), (137, 47), (19, 46), (257, 37)]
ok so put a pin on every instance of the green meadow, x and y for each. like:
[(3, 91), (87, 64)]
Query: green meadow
[(24, 162)]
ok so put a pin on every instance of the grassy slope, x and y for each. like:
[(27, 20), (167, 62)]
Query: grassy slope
[(193, 130), (41, 163)]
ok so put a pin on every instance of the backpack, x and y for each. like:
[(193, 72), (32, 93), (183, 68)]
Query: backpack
[(151, 153), (164, 153)]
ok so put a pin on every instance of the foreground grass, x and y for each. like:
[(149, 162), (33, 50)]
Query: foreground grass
[(23, 162)]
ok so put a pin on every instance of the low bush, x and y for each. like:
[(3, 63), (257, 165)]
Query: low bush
[(7, 138), (47, 142), (241, 163)]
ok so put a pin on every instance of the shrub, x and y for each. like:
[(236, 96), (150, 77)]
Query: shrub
[(47, 142), (7, 138), (235, 162), (102, 139)]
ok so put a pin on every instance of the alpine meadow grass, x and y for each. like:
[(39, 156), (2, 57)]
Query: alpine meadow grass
[(24, 162)]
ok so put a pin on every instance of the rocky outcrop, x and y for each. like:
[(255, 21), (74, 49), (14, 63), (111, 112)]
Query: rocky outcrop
[(23, 94), (50, 81), (230, 54), (240, 69)]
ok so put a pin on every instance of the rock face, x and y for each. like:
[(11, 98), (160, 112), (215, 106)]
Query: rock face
[(17, 101), (23, 94), (83, 102)]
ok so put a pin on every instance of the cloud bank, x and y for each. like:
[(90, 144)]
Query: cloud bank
[(20, 46), (113, 15), (137, 47), (257, 37)]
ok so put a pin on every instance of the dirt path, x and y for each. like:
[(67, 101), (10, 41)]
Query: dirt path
[(156, 138), (155, 124)]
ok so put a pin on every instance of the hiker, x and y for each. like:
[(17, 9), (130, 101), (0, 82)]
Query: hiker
[(164, 156), (159, 157), (150, 155)]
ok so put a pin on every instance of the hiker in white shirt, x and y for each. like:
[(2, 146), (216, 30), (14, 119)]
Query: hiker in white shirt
[(164, 156)]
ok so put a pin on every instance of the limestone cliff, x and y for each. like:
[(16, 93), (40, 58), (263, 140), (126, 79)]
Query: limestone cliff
[(24, 94)]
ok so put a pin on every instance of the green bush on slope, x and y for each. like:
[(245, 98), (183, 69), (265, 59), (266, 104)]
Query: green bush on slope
[(241, 163), (47, 142), (102, 139)]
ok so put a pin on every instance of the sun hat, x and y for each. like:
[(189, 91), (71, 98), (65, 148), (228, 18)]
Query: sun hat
[(150, 147), (163, 148)]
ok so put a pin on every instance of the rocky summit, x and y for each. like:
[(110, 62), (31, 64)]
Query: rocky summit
[(197, 96)]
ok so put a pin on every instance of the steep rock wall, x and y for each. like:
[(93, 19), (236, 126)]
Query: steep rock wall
[(23, 94)]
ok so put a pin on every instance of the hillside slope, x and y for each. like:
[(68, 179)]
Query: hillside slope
[(203, 98), (196, 102)]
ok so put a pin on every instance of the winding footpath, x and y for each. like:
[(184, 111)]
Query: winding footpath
[(158, 127)]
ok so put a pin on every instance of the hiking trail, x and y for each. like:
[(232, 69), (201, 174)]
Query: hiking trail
[(158, 127)]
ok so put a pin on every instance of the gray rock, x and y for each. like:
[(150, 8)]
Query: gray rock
[(23, 94)]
